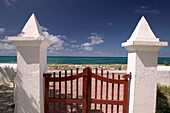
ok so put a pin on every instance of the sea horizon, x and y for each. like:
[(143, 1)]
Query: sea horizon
[(81, 60), (85, 56)]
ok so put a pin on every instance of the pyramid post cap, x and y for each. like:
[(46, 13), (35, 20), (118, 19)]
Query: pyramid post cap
[(31, 28), (143, 32), (31, 32)]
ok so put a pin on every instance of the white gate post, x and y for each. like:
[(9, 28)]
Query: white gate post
[(143, 49), (31, 64)]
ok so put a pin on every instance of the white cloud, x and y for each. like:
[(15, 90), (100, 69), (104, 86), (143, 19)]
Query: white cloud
[(77, 46), (66, 44), (88, 48), (2, 30), (10, 2), (146, 9), (109, 24), (57, 42), (56, 47), (95, 40), (67, 49), (44, 28), (73, 41), (74, 46), (54, 38), (4, 39), (86, 44), (62, 36), (6, 45)]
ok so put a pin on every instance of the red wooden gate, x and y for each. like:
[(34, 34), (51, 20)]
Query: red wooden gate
[(84, 93)]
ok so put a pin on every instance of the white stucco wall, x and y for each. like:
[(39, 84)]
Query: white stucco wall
[(163, 75), (6, 72)]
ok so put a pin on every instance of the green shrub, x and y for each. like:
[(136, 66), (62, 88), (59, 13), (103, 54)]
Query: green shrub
[(119, 68), (166, 63), (163, 99), (56, 63), (110, 64), (12, 79)]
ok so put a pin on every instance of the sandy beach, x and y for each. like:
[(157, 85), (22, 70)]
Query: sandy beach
[(81, 67), (6, 99)]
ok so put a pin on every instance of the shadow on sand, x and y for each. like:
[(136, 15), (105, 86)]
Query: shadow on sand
[(6, 99)]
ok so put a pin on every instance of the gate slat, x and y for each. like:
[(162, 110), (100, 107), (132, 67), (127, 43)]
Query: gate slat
[(107, 91), (54, 93), (112, 92), (95, 90), (59, 92), (88, 71), (125, 96), (65, 92), (47, 105), (71, 91), (118, 92), (77, 106), (101, 91), (84, 92)]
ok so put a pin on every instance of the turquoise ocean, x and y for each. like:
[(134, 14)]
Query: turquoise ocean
[(80, 60)]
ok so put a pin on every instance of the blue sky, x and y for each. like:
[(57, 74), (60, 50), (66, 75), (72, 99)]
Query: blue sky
[(85, 27)]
